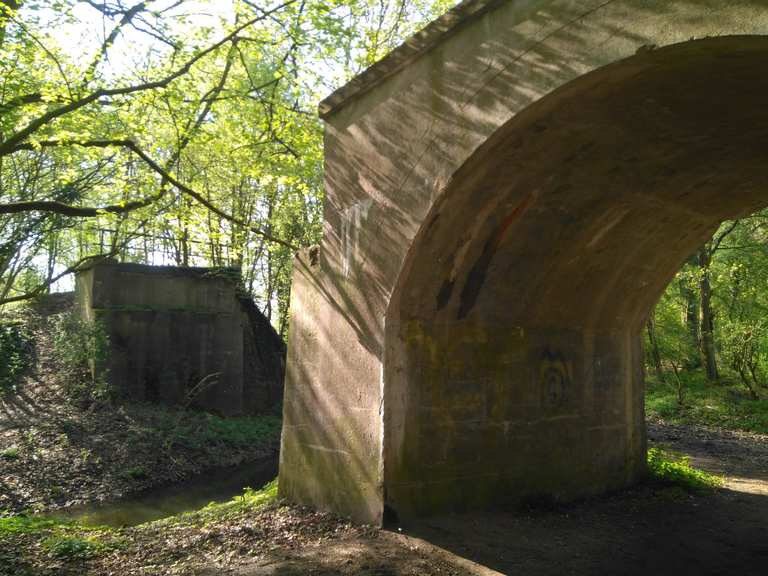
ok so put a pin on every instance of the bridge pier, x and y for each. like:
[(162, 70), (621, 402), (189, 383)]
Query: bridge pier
[(507, 196)]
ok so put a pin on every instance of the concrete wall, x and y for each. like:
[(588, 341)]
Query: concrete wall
[(171, 328), (399, 394)]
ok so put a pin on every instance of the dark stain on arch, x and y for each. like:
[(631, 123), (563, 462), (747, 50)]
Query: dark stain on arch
[(444, 296), (476, 276)]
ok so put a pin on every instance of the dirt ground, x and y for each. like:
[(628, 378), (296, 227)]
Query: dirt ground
[(66, 456), (647, 530), (642, 531)]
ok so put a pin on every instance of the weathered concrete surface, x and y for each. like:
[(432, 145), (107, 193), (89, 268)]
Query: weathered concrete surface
[(172, 328), (506, 198)]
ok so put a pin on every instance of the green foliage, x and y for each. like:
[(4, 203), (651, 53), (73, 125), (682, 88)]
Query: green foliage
[(81, 349), (15, 352), (725, 406), (668, 469), (11, 453), (734, 264), (745, 347), (135, 473), (60, 538), (25, 525), (250, 501), (198, 429), (71, 547), (232, 120)]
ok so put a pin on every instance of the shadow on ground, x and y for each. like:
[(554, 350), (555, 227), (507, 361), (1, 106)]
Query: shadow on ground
[(659, 531), (640, 532)]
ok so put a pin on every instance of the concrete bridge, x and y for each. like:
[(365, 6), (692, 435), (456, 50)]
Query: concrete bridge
[(508, 194)]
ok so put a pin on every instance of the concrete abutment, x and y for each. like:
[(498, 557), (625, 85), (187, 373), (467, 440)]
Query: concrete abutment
[(507, 197)]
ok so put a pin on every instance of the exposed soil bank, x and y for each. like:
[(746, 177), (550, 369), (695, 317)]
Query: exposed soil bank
[(56, 452), (53, 455)]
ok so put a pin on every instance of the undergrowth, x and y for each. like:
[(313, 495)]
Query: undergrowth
[(69, 540), (57, 538), (15, 353), (723, 405), (671, 470), (249, 501), (81, 350), (197, 429)]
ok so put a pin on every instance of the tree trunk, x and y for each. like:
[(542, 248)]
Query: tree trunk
[(693, 323), (655, 354), (708, 350)]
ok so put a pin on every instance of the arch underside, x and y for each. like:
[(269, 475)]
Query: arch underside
[(514, 363)]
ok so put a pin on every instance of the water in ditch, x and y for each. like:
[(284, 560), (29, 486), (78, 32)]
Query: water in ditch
[(212, 486)]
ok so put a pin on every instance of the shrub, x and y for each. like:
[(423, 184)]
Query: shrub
[(15, 352), (81, 349), (135, 473)]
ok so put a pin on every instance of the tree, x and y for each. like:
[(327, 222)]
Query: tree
[(728, 278), (176, 139)]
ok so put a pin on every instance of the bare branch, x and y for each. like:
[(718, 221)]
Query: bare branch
[(109, 40), (22, 135), (42, 287), (167, 176)]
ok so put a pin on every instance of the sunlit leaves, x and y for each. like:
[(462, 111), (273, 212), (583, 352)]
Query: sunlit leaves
[(239, 125)]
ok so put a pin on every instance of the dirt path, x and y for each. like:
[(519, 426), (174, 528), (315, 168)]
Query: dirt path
[(740, 457), (642, 531)]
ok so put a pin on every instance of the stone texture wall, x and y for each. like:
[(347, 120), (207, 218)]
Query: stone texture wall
[(183, 336), (488, 180)]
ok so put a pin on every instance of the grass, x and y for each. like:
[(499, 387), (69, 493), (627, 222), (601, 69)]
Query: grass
[(249, 501), (671, 470), (64, 537), (723, 405), (29, 543), (57, 538), (14, 525)]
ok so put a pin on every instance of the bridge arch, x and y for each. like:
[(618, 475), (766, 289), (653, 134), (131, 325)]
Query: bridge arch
[(562, 142), (515, 325)]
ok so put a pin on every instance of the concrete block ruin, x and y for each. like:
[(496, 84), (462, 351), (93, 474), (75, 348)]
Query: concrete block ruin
[(184, 336)]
